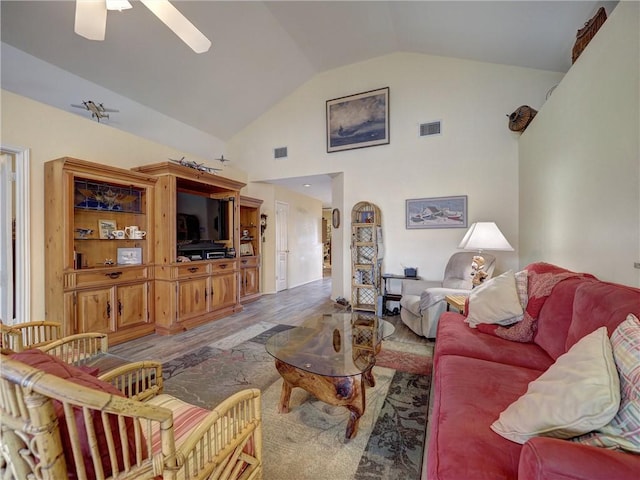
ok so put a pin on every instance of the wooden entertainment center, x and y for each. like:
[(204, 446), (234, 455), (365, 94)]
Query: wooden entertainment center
[(104, 276)]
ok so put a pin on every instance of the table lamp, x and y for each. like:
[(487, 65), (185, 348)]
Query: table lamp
[(483, 236)]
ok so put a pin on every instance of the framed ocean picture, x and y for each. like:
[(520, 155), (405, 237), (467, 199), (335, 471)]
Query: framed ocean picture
[(436, 212), (357, 121)]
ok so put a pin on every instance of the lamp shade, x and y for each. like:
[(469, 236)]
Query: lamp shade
[(484, 236)]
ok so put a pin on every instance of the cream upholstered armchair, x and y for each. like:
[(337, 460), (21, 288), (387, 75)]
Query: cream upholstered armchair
[(423, 301)]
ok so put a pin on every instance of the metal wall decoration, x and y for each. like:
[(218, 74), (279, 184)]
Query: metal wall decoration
[(358, 121)]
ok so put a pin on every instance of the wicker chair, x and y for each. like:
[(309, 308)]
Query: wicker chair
[(22, 336), (132, 438)]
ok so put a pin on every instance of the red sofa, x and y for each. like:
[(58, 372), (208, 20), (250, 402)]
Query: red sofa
[(478, 375)]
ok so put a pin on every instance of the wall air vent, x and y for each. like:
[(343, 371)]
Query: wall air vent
[(431, 128), (280, 152)]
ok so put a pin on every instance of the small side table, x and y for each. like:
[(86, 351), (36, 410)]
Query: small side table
[(392, 297), (456, 301)]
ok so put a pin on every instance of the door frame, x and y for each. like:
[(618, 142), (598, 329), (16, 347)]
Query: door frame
[(22, 262)]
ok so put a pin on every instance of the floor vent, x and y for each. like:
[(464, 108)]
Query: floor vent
[(432, 128), (280, 152)]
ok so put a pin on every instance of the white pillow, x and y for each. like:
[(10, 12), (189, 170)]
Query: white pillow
[(495, 301), (624, 430), (580, 392)]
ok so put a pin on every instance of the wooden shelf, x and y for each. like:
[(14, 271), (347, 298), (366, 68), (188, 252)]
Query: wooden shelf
[(95, 294), (365, 262)]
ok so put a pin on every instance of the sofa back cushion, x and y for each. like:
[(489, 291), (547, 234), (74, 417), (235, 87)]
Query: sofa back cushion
[(555, 317), (601, 303)]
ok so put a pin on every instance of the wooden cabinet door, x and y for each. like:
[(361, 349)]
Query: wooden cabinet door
[(193, 297), (96, 311), (224, 290), (250, 280), (133, 304)]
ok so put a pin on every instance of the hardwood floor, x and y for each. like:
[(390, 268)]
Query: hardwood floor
[(289, 307)]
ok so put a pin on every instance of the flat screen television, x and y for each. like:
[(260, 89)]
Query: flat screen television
[(201, 219)]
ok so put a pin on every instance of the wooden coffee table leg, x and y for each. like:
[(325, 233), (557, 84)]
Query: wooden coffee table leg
[(346, 391), (285, 396), (368, 378)]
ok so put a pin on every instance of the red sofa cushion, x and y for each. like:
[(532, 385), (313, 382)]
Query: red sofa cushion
[(555, 317), (54, 366), (469, 395), (601, 303), (455, 337)]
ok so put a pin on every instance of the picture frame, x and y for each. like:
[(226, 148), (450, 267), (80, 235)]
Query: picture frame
[(436, 212), (358, 121), (246, 249), (105, 228), (129, 256)]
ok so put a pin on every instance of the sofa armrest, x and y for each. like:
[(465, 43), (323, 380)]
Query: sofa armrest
[(136, 380), (544, 458), (416, 287)]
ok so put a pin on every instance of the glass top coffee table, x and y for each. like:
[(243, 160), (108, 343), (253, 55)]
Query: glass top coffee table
[(331, 356)]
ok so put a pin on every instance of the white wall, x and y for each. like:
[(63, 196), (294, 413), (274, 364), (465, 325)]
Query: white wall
[(476, 155), (52, 133), (580, 160)]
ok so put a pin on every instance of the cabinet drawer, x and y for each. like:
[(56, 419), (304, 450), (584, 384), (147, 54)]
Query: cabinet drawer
[(223, 266), (125, 274), (192, 269), (248, 262)]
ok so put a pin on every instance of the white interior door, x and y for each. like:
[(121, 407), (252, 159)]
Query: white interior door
[(282, 245)]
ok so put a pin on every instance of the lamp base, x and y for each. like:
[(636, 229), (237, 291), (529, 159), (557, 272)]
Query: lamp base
[(477, 270)]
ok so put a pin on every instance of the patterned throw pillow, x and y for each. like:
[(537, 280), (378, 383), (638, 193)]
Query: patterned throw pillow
[(623, 431)]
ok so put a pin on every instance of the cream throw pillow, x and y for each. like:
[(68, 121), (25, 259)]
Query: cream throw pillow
[(580, 392), (495, 301)]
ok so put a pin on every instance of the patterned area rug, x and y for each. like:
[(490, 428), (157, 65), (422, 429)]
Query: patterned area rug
[(308, 443)]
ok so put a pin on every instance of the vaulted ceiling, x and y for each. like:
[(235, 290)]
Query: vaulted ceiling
[(262, 51)]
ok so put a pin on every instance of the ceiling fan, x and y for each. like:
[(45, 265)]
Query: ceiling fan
[(91, 20)]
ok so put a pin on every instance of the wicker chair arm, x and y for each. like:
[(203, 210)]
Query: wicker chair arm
[(22, 336), (78, 349), (11, 338), (137, 380), (227, 440)]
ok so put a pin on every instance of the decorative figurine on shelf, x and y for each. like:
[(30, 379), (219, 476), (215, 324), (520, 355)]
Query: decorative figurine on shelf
[(84, 232), (477, 271)]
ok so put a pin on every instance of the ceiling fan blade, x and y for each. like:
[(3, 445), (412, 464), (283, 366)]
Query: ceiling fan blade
[(91, 19), (180, 25)]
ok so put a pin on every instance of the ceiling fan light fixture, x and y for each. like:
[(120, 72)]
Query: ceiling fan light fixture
[(91, 19), (179, 24), (118, 5)]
